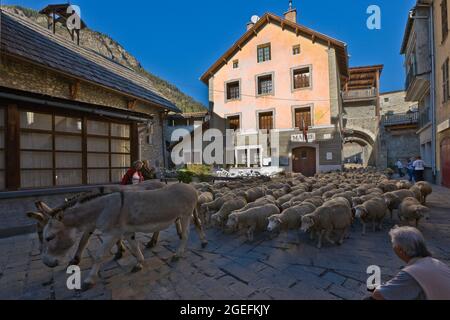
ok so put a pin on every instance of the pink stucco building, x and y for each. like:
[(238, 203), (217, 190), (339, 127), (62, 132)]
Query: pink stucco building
[(282, 75)]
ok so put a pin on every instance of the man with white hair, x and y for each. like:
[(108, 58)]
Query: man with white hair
[(423, 278)]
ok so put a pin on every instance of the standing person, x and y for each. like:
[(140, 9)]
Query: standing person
[(419, 168), (410, 169), (148, 171), (134, 174), (399, 165)]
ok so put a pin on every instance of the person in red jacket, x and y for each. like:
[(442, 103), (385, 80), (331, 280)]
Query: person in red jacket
[(134, 174)]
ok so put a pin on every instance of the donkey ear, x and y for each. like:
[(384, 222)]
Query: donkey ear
[(42, 207), (37, 216)]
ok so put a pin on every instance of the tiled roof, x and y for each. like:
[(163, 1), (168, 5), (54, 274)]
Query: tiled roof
[(27, 40), (341, 47)]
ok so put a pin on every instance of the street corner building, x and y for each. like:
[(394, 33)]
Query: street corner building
[(69, 117), (281, 76)]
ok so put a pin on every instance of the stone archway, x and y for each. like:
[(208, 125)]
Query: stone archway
[(359, 144)]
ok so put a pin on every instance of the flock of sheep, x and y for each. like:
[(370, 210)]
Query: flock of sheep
[(324, 205)]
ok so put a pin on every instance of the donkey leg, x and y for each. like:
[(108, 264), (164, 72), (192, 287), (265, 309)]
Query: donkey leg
[(120, 249), (81, 246), (184, 222), (199, 228), (101, 255), (135, 251), (153, 241), (179, 228)]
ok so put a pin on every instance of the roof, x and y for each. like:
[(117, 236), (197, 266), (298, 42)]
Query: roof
[(363, 76), (31, 42), (406, 35), (341, 47), (189, 114)]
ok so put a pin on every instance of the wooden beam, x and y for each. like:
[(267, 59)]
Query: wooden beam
[(12, 147), (313, 38), (132, 104), (74, 90)]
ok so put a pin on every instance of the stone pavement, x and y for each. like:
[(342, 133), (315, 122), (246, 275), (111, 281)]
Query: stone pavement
[(287, 267)]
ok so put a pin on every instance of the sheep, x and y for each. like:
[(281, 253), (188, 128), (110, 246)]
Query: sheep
[(373, 210), (360, 200), (387, 186), (316, 201), (277, 193), (290, 218), (347, 195), (411, 209), (335, 214), (416, 190), (254, 193), (394, 199), (403, 184), (258, 203), (221, 216), (375, 190), (252, 219), (284, 199), (214, 205), (425, 189), (204, 197)]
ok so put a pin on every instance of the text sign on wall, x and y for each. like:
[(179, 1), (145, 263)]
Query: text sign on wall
[(301, 138)]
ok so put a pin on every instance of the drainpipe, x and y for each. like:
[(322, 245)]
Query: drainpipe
[(433, 97)]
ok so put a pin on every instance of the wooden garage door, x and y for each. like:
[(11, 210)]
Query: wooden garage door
[(445, 162), (304, 161)]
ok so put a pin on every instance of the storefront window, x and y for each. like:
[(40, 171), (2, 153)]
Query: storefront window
[(51, 150)]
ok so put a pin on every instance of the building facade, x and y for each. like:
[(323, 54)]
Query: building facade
[(285, 77), (398, 126), (361, 115), (442, 97), (418, 50), (69, 116)]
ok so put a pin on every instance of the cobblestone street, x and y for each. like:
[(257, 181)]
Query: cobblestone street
[(287, 267)]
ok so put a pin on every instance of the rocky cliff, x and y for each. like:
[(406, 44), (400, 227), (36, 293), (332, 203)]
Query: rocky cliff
[(106, 46)]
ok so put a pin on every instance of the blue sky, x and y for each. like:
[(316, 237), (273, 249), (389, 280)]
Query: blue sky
[(178, 40)]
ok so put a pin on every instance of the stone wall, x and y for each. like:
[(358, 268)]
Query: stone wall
[(27, 77)]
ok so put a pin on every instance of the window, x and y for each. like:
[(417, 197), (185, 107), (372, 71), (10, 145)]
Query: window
[(233, 90), (386, 99), (301, 78), (2, 149), (265, 84), (302, 117), (445, 82), (233, 122), (235, 64), (264, 53), (265, 120), (296, 50), (52, 152), (444, 18)]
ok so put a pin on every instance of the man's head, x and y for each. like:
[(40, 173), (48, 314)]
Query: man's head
[(418, 158), (408, 243)]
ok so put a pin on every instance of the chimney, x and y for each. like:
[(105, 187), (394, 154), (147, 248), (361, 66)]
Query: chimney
[(291, 14), (250, 25)]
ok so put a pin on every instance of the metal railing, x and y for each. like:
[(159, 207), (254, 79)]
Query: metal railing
[(401, 119)]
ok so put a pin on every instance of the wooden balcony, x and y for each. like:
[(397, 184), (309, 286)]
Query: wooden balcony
[(359, 94)]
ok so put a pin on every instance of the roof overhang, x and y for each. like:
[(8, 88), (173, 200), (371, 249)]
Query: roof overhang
[(363, 77)]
